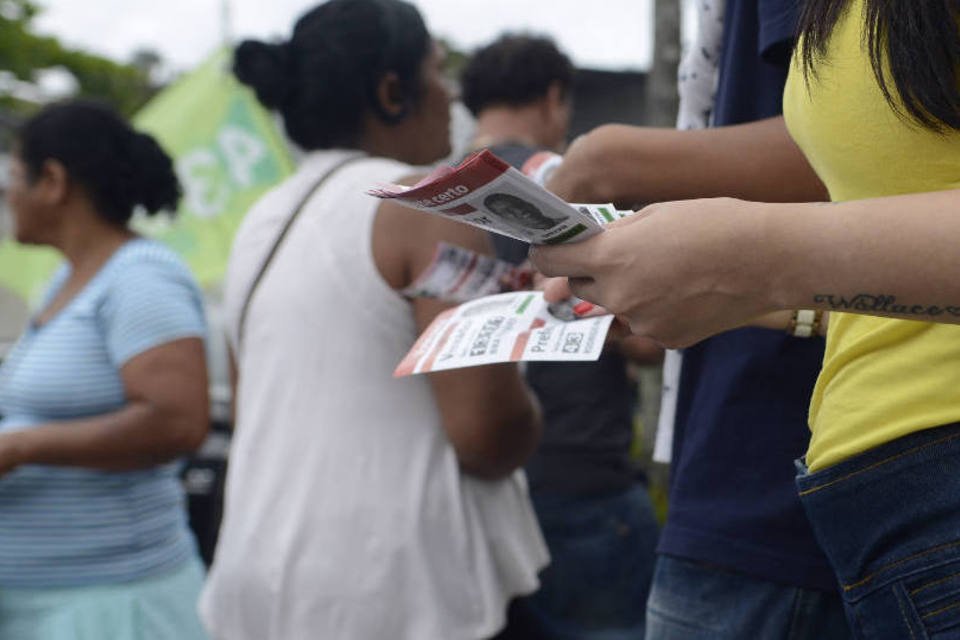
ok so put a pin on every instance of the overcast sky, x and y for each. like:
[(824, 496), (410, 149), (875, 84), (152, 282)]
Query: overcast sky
[(607, 34)]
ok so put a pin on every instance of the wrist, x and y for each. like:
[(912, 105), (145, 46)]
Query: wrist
[(585, 175), (787, 258), (573, 180), (13, 449), (746, 258)]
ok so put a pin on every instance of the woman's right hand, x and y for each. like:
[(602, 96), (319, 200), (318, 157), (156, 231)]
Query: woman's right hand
[(676, 272)]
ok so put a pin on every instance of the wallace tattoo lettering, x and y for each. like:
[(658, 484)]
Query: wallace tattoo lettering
[(883, 304)]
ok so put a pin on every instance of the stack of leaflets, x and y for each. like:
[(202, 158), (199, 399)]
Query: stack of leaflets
[(486, 192)]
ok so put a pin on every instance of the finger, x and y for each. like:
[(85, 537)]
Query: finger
[(589, 292), (585, 288), (539, 281), (633, 218), (561, 260), (556, 289), (589, 310)]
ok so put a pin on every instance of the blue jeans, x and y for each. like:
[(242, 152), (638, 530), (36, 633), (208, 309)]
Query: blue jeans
[(601, 563), (695, 601), (889, 522)]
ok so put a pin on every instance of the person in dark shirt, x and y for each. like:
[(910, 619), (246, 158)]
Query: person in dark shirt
[(737, 557), (593, 507)]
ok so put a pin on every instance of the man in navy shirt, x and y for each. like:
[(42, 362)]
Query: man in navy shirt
[(594, 510), (737, 557)]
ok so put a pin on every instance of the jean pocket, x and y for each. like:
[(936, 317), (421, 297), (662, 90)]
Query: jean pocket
[(935, 596)]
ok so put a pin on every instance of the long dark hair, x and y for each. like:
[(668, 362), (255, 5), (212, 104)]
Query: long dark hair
[(919, 39)]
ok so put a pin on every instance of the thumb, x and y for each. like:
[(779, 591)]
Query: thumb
[(556, 289)]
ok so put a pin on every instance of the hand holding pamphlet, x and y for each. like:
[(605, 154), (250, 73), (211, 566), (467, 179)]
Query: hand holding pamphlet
[(486, 192)]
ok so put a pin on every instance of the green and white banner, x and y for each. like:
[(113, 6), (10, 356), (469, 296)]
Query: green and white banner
[(228, 151)]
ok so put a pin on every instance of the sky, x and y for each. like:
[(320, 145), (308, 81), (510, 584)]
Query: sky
[(601, 34)]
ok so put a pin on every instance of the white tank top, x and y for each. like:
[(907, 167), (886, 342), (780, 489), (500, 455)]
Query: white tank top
[(346, 516)]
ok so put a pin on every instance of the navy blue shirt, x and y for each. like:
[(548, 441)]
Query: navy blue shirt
[(743, 395)]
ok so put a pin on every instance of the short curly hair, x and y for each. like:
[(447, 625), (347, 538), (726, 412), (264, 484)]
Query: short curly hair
[(514, 70)]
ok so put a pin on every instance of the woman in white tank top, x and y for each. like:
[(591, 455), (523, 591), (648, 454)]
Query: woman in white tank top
[(360, 506)]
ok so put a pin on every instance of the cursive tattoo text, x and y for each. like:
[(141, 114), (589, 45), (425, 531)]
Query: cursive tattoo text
[(883, 304)]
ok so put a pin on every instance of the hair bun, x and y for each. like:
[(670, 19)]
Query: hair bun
[(156, 186), (265, 68)]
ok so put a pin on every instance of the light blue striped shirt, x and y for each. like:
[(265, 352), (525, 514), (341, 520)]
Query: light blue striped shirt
[(62, 526)]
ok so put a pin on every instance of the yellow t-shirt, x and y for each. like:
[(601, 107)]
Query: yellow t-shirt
[(881, 378)]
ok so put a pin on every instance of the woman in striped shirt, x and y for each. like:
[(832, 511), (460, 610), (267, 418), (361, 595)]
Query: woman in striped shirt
[(104, 390)]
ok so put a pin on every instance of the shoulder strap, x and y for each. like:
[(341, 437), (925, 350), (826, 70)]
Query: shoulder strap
[(283, 234)]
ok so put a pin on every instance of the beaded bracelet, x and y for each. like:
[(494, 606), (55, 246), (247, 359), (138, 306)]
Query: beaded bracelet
[(805, 323)]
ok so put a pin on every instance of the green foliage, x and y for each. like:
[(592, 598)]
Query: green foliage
[(456, 59), (126, 86)]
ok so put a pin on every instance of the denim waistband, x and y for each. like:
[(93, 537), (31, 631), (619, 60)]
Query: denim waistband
[(889, 511)]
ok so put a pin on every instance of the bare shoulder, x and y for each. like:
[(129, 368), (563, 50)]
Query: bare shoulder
[(404, 239)]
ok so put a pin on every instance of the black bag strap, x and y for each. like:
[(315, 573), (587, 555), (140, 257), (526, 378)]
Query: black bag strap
[(283, 234)]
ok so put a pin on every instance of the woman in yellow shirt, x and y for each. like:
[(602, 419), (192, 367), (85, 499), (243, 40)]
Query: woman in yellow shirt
[(874, 103)]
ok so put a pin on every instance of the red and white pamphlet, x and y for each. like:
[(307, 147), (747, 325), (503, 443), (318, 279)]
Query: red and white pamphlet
[(507, 327), (486, 192)]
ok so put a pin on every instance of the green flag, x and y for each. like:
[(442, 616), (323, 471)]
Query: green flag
[(227, 151)]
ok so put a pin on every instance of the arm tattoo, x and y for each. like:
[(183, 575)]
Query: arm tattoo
[(883, 304)]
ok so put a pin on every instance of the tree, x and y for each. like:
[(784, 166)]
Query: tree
[(149, 62), (22, 52), (18, 10)]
